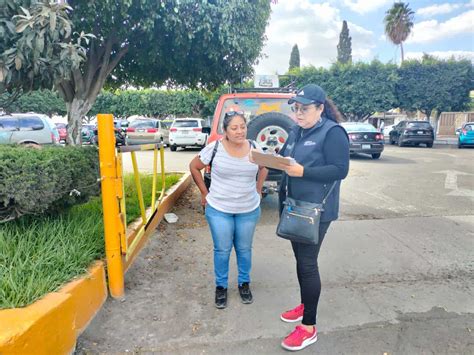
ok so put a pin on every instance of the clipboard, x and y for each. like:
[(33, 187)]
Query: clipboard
[(270, 160)]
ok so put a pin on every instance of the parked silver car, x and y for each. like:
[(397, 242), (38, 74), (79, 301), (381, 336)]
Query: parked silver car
[(146, 131), (27, 128)]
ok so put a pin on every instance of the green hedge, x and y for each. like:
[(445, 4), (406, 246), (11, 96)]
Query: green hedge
[(47, 180)]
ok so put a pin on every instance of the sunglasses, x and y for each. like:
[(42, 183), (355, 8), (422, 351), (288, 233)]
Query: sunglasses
[(234, 113), (302, 109)]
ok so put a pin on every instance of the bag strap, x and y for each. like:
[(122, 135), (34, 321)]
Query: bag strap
[(214, 151), (252, 143), (329, 192)]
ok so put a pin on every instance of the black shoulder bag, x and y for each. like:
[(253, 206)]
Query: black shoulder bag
[(299, 220), (207, 174)]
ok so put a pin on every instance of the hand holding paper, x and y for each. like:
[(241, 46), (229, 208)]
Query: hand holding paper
[(270, 160)]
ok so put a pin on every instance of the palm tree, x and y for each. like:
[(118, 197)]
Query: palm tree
[(398, 23)]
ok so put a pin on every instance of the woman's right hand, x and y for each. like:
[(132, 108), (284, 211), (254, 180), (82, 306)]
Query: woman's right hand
[(203, 199)]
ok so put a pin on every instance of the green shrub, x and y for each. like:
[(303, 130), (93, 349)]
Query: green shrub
[(39, 254), (47, 180)]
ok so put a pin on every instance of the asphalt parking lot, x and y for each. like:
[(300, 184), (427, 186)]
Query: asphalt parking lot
[(397, 271)]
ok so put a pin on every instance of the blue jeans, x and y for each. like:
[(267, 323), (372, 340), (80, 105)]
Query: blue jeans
[(229, 229)]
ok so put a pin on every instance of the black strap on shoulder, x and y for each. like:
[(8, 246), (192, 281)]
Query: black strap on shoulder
[(214, 151), (252, 143)]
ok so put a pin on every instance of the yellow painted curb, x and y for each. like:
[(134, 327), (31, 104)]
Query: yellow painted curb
[(166, 205), (52, 324)]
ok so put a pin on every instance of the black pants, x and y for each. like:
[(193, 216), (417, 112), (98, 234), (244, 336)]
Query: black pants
[(308, 274)]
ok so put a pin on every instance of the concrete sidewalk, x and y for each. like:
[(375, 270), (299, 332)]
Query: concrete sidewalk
[(446, 140), (390, 285)]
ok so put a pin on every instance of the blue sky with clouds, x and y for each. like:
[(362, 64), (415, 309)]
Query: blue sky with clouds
[(442, 28)]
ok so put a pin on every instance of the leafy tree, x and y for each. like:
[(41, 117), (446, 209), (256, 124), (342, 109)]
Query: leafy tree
[(344, 47), (36, 48), (359, 90), (148, 43), (40, 101), (294, 58), (431, 84), (398, 24)]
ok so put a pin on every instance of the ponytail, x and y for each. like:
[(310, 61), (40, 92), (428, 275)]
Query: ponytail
[(331, 111)]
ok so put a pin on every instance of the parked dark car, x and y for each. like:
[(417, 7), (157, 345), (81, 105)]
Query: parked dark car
[(412, 132), (364, 138), (89, 134), (466, 135)]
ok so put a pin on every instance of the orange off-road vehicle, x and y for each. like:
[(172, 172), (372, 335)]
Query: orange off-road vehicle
[(269, 119)]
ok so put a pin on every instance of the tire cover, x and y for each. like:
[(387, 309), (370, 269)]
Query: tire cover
[(275, 119)]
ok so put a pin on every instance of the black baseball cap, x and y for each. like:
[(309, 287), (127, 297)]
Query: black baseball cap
[(309, 94)]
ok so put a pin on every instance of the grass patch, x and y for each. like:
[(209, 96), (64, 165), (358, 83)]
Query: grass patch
[(40, 254)]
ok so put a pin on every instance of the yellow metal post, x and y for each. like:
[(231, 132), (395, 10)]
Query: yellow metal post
[(110, 204)]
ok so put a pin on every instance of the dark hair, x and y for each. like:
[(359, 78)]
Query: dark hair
[(332, 112), (229, 116)]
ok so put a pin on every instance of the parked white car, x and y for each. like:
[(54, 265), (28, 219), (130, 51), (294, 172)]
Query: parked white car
[(186, 132), (387, 130)]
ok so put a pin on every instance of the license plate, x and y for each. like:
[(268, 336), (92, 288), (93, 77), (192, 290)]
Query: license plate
[(365, 146), (141, 130), (420, 132), (184, 132)]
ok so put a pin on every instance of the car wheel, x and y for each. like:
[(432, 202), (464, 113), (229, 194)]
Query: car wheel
[(270, 130), (459, 145), (376, 155), (429, 145), (400, 142), (173, 148)]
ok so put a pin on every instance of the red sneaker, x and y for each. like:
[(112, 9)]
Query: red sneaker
[(293, 315), (300, 338)]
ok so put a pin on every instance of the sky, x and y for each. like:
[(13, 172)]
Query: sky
[(442, 28)]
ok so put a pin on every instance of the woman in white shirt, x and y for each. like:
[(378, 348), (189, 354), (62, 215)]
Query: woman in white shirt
[(232, 202)]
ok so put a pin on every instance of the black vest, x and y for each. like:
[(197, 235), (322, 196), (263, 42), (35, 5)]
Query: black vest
[(306, 146)]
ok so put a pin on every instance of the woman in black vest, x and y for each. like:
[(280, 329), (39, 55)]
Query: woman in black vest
[(320, 147)]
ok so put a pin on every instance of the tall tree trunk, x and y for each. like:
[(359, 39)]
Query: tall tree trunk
[(76, 110), (401, 50), (81, 90)]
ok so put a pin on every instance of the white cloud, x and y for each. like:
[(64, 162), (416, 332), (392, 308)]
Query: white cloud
[(443, 55), (432, 30), (365, 6), (315, 29), (439, 9)]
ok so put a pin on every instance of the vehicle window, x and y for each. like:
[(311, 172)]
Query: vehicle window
[(187, 123), (255, 107), (469, 127), (8, 124), (420, 124), (360, 128), (142, 124), (27, 123), (61, 125), (165, 125)]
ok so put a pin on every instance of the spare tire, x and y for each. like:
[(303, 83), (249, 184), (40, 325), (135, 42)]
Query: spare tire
[(270, 130)]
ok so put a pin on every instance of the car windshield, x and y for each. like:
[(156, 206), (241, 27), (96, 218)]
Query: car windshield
[(142, 124), (359, 128), (469, 127), (61, 125), (253, 107), (187, 123), (419, 125)]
